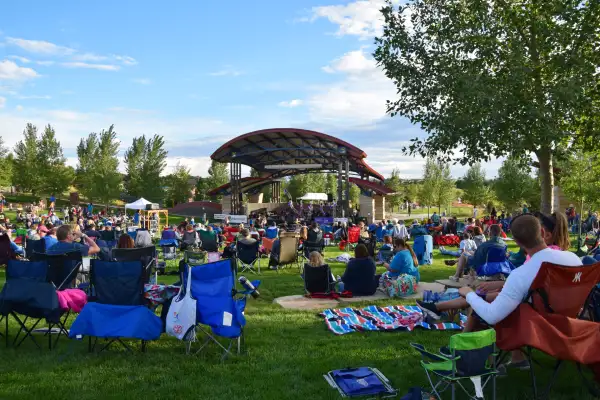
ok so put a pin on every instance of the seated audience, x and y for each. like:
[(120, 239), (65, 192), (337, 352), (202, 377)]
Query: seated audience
[(189, 237), (246, 238), (387, 243), (50, 238), (125, 242), (467, 245), (313, 281), (359, 277), (404, 262), (143, 239), (400, 231), (478, 236), (66, 244), (479, 258)]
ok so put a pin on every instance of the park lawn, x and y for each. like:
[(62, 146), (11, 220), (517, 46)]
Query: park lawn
[(287, 354)]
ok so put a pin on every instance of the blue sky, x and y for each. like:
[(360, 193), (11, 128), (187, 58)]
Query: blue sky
[(200, 73)]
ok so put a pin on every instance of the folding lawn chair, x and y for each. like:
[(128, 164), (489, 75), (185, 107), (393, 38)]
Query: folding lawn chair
[(194, 257), (110, 237), (169, 248), (248, 256), (423, 247), (550, 320), (318, 279), (117, 308), (469, 356), (353, 236), (209, 241), (147, 255), (308, 247), (496, 262), (219, 306), (27, 292), (33, 248), (288, 252)]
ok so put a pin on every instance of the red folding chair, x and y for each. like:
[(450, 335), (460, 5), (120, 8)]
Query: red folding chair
[(353, 236), (550, 321)]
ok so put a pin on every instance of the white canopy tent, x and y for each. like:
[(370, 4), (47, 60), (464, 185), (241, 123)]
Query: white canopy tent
[(314, 197), (139, 204)]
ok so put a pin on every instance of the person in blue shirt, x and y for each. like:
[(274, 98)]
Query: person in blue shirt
[(404, 262), (136, 218), (50, 238), (66, 244)]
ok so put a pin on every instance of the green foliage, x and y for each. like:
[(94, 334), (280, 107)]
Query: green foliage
[(580, 182), (445, 190), (218, 175), (355, 195), (494, 78), (98, 176), (515, 186), (179, 185), (427, 190), (6, 165), (301, 184), (145, 161), (202, 187), (331, 185), (475, 190), (395, 183), (54, 176), (39, 164), (25, 174)]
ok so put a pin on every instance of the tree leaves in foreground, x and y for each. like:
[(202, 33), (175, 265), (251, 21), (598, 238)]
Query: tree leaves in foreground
[(486, 79)]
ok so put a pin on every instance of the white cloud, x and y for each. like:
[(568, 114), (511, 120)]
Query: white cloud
[(359, 98), (2, 102), (12, 72), (102, 67), (228, 70), (45, 63), (130, 110), (34, 97), (126, 60), (89, 57), (291, 103), (198, 165), (142, 81), (40, 47), (360, 18), (21, 59)]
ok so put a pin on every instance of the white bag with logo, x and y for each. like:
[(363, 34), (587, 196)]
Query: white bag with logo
[(181, 318)]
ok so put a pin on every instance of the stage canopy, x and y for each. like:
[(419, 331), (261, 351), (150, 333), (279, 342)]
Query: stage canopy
[(280, 152), (139, 204), (314, 197)]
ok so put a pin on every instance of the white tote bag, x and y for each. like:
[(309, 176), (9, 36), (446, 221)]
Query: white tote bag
[(182, 312)]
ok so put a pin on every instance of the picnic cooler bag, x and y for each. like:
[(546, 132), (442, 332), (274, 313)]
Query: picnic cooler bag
[(362, 381)]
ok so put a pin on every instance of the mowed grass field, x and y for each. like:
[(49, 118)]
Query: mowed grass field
[(287, 352)]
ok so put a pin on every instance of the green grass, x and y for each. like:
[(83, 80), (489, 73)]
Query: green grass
[(287, 354)]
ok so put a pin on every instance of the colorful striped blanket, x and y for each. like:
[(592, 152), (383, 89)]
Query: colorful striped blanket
[(372, 318)]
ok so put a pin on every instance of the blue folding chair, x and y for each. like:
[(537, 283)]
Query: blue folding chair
[(117, 308), (27, 292), (423, 248), (496, 262), (219, 306)]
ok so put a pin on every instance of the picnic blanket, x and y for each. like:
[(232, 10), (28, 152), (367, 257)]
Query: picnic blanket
[(446, 240), (372, 318)]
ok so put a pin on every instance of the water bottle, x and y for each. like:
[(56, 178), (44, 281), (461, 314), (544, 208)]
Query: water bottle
[(249, 286)]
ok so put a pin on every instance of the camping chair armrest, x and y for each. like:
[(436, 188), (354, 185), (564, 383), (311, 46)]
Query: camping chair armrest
[(432, 356)]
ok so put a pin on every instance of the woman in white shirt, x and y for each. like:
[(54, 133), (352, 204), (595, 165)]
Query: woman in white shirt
[(467, 245)]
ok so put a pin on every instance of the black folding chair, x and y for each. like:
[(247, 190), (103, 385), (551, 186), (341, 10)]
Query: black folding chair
[(147, 255), (63, 270), (27, 292), (34, 248), (318, 279), (309, 247), (248, 256), (119, 283), (209, 241)]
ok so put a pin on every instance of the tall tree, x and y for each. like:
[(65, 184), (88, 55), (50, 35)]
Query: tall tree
[(428, 187), (6, 165), (179, 185), (26, 175), (494, 78), (202, 187), (84, 173), (331, 185), (218, 174), (395, 183), (444, 187), (355, 195), (514, 184), (108, 181), (54, 175), (145, 161), (476, 192)]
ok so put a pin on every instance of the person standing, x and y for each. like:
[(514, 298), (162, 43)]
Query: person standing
[(475, 211)]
